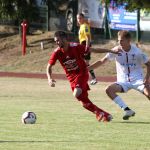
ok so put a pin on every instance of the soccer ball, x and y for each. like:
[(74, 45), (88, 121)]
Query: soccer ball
[(28, 117)]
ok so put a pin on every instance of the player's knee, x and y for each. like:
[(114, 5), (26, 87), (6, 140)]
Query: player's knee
[(77, 92), (108, 90)]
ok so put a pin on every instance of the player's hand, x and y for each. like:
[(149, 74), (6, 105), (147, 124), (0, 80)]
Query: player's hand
[(51, 82)]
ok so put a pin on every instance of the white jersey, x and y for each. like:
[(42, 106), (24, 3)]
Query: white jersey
[(129, 64)]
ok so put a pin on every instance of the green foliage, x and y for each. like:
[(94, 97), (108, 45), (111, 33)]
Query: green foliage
[(57, 5), (132, 4), (7, 9), (18, 9)]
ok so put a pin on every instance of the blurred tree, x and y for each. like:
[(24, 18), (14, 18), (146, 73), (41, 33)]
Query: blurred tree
[(58, 5), (18, 9)]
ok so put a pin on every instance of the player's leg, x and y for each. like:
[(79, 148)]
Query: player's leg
[(77, 92), (141, 87), (146, 91), (87, 60), (87, 104), (112, 91), (80, 88)]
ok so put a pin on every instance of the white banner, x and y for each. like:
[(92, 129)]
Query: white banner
[(94, 11), (144, 20)]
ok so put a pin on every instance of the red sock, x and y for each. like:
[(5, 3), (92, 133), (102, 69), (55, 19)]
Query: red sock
[(87, 104)]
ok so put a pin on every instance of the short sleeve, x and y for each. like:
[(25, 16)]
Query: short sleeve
[(145, 58), (53, 58), (87, 29), (110, 56)]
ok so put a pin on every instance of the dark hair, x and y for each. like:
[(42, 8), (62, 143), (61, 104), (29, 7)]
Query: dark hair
[(125, 34), (61, 34), (81, 14)]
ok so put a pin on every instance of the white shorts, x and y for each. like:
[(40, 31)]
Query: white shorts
[(136, 85)]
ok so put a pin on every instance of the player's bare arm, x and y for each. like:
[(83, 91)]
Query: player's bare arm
[(88, 40), (98, 63), (51, 81), (103, 50), (87, 48)]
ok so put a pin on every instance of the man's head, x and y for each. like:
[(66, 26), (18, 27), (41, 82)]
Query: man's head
[(80, 18), (60, 37), (124, 39)]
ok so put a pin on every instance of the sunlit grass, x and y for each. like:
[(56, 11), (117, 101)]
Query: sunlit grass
[(62, 124)]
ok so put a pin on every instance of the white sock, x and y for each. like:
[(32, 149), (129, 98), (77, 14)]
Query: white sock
[(120, 102)]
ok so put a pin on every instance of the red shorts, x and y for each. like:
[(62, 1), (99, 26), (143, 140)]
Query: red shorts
[(80, 81)]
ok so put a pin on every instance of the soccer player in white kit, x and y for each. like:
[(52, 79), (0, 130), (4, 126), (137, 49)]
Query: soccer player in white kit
[(129, 71)]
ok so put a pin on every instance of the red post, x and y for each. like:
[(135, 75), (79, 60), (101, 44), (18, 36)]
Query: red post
[(24, 41)]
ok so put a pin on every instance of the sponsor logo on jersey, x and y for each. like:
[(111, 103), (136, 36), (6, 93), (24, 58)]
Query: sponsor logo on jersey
[(67, 57), (77, 85), (71, 65)]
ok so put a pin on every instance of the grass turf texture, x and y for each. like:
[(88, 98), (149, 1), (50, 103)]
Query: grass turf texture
[(62, 124)]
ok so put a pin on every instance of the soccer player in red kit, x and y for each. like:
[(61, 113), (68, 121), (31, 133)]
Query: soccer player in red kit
[(71, 57)]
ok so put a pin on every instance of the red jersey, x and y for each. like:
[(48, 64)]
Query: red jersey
[(71, 60)]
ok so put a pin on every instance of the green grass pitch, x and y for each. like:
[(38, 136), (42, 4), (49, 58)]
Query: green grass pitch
[(62, 124)]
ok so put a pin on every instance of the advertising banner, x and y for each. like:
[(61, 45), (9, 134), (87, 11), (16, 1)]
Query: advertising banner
[(121, 19)]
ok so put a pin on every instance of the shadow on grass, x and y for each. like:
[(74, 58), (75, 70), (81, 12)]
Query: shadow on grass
[(3, 141), (132, 122)]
